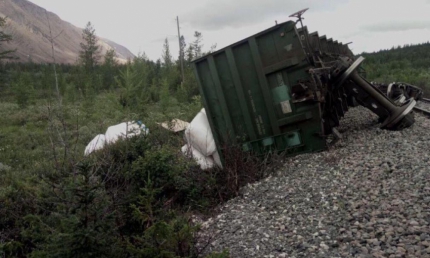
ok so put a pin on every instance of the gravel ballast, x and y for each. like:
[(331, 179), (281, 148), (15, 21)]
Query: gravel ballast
[(367, 196)]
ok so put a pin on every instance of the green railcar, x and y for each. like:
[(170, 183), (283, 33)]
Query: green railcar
[(247, 92), (285, 89)]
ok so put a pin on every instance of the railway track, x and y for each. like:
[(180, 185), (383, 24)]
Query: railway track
[(425, 100), (425, 112)]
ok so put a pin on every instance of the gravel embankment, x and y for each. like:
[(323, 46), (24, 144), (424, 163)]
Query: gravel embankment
[(368, 196)]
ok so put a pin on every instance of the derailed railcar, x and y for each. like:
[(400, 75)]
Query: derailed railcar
[(284, 89), (248, 92)]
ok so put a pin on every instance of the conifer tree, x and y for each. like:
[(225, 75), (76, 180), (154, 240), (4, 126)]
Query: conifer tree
[(183, 46), (167, 57), (197, 44), (90, 53), (109, 69)]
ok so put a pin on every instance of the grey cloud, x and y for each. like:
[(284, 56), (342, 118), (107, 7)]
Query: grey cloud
[(236, 13), (396, 26)]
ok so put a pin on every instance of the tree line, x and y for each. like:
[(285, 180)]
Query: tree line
[(133, 198), (408, 63), (140, 80)]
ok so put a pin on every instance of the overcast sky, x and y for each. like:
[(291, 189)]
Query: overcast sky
[(142, 25)]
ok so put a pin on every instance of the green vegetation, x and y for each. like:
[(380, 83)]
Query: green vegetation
[(135, 198), (410, 64), (89, 55)]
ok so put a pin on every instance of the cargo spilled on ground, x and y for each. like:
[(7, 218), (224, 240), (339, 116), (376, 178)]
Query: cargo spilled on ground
[(76, 182)]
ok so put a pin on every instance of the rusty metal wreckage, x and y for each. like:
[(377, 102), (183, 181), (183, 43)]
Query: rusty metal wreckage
[(285, 89)]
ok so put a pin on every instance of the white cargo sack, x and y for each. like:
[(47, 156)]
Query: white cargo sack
[(217, 159), (202, 161), (124, 130), (199, 134), (95, 144)]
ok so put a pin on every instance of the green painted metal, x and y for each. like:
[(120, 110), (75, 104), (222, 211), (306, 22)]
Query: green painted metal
[(336, 47), (246, 89), (220, 96), (330, 44), (237, 84), (324, 44), (315, 41), (263, 84)]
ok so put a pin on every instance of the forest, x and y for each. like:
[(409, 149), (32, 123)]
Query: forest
[(135, 198), (409, 63)]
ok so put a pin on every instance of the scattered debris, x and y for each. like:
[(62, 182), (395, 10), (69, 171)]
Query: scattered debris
[(176, 125), (114, 133)]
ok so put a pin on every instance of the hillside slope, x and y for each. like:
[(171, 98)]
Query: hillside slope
[(28, 24)]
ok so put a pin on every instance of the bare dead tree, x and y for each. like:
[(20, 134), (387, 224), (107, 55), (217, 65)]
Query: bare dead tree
[(51, 40)]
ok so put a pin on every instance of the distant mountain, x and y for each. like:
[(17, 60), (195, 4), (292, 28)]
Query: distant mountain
[(28, 25)]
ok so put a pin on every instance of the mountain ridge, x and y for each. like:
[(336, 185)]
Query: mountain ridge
[(29, 27)]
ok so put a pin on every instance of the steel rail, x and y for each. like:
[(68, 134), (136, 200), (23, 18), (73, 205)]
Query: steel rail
[(425, 100), (422, 111)]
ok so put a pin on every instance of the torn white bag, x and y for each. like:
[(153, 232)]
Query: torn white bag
[(199, 134), (202, 161), (95, 144)]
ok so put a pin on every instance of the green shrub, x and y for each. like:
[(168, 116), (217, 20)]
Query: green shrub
[(23, 90)]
